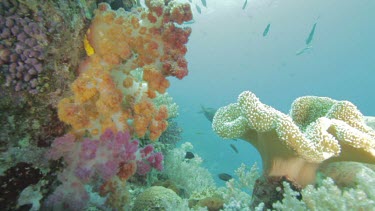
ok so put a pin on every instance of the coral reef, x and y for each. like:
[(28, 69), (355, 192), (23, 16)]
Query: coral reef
[(328, 196), (14, 180), (188, 174), (167, 100), (346, 174), (157, 198), (209, 198), (129, 56), (113, 155), (317, 130), (171, 136), (122, 45), (40, 46), (22, 48), (236, 194), (213, 203)]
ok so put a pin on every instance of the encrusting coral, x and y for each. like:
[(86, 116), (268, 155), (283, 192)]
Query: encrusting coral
[(292, 147), (157, 198)]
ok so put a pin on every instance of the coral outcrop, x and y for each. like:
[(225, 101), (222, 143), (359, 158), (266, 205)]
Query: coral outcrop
[(130, 54), (157, 198), (318, 130), (97, 161)]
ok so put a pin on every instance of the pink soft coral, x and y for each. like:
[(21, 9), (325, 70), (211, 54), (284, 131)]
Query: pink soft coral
[(91, 161)]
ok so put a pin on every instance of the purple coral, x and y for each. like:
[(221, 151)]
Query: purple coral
[(22, 51), (96, 161), (149, 159)]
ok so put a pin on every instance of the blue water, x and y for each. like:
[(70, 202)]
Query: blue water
[(228, 54)]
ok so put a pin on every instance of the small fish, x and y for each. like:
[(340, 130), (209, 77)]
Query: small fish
[(189, 155), (244, 5), (225, 176), (204, 3), (234, 148), (303, 50), (311, 35), (266, 30)]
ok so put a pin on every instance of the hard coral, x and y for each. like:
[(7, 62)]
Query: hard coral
[(317, 130), (157, 198), (22, 47)]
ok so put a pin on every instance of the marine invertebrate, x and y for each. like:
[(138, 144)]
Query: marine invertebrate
[(210, 198), (166, 100), (172, 135), (328, 196), (39, 46), (114, 156), (347, 174), (121, 46), (157, 198), (22, 46), (292, 147), (188, 173)]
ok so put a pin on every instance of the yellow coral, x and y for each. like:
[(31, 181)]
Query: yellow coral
[(88, 48)]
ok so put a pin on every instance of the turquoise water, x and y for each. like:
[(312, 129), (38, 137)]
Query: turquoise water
[(277, 49), (228, 54)]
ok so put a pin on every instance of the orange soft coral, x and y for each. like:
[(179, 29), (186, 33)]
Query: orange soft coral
[(106, 35), (108, 92), (85, 87), (73, 114), (156, 80), (148, 118), (159, 124), (143, 113), (157, 128)]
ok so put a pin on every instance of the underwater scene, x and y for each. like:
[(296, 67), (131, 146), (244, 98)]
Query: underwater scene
[(187, 105)]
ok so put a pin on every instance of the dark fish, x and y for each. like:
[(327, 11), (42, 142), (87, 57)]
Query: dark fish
[(209, 113), (244, 5), (198, 9), (225, 176), (234, 148), (189, 155), (311, 35), (204, 3), (266, 30)]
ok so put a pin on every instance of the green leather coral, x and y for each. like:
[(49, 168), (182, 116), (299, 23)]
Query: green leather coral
[(318, 129)]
